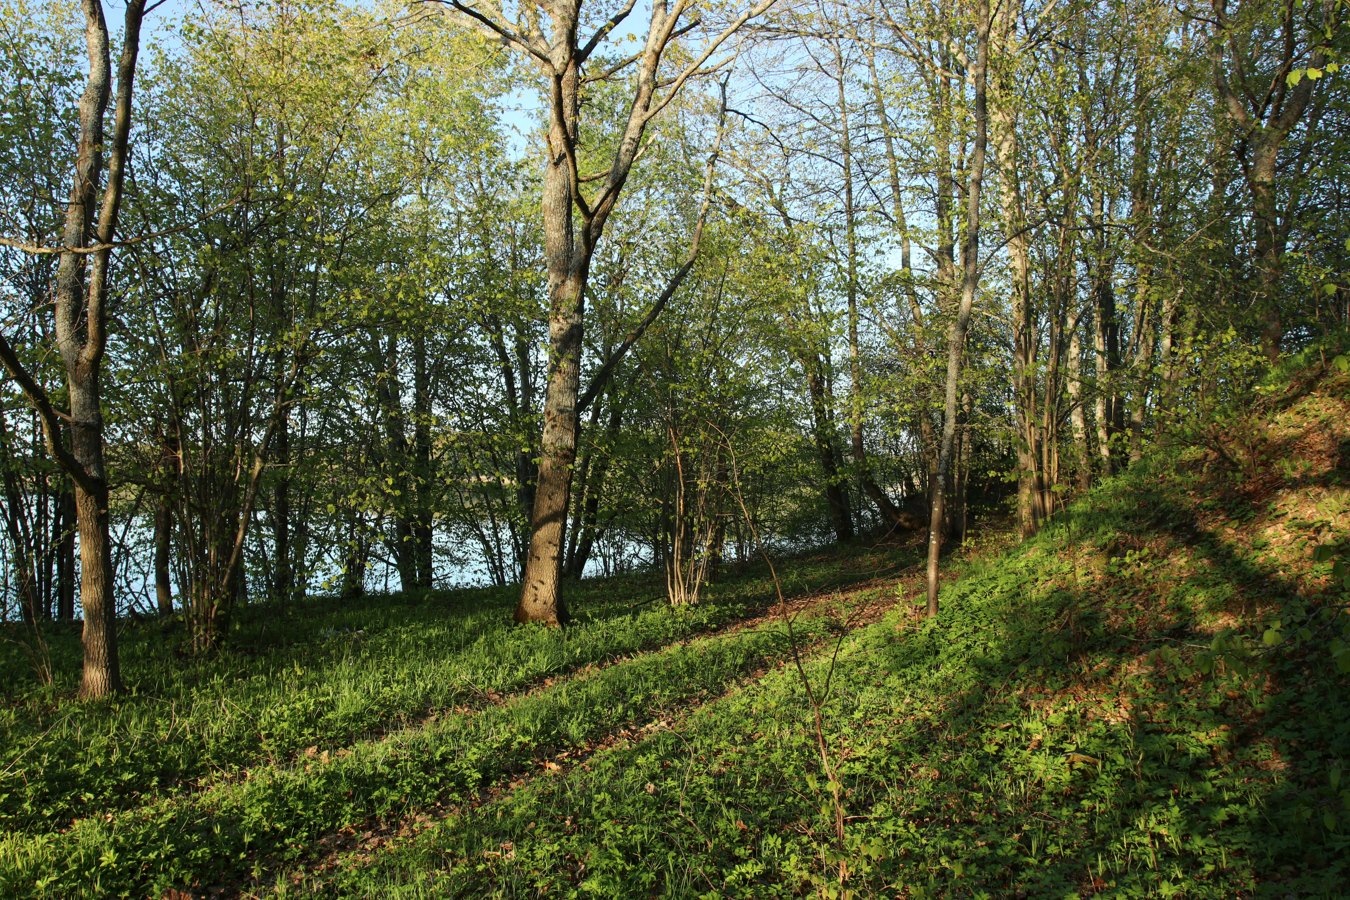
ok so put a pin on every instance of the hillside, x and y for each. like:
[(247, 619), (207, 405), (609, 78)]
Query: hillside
[(1150, 697)]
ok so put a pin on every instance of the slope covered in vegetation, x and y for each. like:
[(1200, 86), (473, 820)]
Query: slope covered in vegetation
[(328, 715), (1150, 697)]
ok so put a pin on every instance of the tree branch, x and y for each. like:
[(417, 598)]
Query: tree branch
[(40, 250), (47, 413), (753, 12), (568, 147), (605, 29), (499, 29), (606, 370)]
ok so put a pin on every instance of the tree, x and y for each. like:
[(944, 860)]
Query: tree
[(81, 326), (978, 74), (257, 324), (1265, 94), (574, 220), (39, 92)]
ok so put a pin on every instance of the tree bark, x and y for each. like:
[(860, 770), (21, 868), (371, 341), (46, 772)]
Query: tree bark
[(1106, 336), (822, 433), (163, 544), (1030, 474), (568, 259), (1268, 250), (970, 275), (885, 507), (65, 556), (102, 675), (1077, 416)]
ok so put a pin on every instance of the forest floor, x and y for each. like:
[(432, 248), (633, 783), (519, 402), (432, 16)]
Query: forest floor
[(1148, 698)]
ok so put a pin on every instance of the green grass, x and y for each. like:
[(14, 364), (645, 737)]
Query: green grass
[(337, 715), (1148, 699)]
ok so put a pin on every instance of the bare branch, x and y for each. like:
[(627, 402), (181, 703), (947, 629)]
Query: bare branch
[(613, 70), (753, 12), (605, 29), (40, 250), (47, 413)]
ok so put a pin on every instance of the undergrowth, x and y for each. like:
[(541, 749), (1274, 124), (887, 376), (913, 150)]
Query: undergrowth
[(335, 716), (1149, 698)]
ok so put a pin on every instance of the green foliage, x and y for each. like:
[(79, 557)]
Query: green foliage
[(1141, 700), (335, 715), (1146, 698)]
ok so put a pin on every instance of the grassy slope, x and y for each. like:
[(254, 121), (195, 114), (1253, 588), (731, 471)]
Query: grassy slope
[(1150, 698)]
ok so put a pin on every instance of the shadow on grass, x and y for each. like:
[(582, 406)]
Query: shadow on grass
[(1113, 737)]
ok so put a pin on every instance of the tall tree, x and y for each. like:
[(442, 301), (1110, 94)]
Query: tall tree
[(1268, 57), (81, 328), (552, 36), (978, 75)]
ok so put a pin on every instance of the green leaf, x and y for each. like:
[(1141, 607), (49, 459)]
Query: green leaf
[(1272, 637)]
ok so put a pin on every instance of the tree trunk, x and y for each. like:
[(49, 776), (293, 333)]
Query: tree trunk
[(1077, 415), (163, 544), (398, 462), (102, 672), (1106, 337), (356, 558), (568, 267), (423, 531), (1142, 365), (1030, 480), (1030, 476), (822, 429), (1269, 244), (1047, 429), (956, 334), (283, 582), (1168, 349), (961, 483), (541, 599), (587, 526), (168, 482), (65, 556)]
